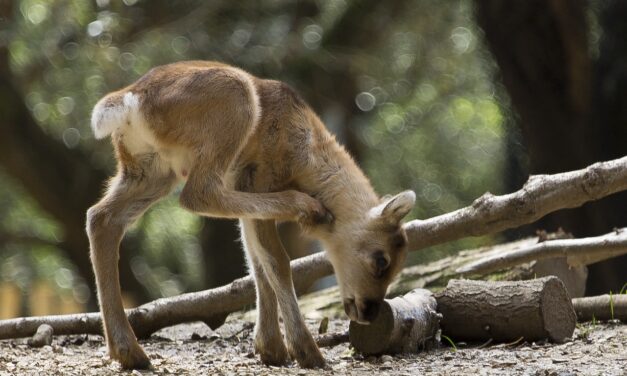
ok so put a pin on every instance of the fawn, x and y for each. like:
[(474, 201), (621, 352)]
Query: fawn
[(251, 149)]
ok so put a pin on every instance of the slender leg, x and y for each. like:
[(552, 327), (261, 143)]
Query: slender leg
[(268, 340), (127, 198), (264, 243), (204, 193)]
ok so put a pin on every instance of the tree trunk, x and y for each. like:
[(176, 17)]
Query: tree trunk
[(60, 180), (570, 110)]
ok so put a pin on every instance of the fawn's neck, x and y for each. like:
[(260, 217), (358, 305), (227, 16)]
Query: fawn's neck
[(339, 183)]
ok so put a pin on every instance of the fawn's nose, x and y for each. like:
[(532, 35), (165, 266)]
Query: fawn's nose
[(368, 310), (362, 311)]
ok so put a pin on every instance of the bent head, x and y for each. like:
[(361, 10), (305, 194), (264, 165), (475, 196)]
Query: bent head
[(369, 253)]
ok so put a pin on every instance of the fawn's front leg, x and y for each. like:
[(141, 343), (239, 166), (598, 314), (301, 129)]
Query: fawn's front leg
[(263, 242), (205, 193), (268, 340), (126, 199)]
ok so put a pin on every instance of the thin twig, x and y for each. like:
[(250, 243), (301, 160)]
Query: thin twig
[(332, 339)]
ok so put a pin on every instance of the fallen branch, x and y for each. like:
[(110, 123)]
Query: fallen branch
[(210, 306), (331, 339), (506, 310), (578, 252), (541, 195), (599, 307)]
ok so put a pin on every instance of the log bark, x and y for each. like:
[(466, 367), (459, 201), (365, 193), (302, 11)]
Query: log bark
[(505, 311), (599, 307), (404, 324), (487, 215), (578, 252)]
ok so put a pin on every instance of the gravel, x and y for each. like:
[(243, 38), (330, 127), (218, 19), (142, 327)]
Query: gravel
[(193, 349)]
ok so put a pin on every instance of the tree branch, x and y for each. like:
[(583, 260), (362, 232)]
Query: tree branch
[(578, 252), (488, 214), (541, 195), (599, 307)]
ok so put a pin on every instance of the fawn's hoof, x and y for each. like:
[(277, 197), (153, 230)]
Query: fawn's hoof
[(272, 354), (131, 357), (308, 356)]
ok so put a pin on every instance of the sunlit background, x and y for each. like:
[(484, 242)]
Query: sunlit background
[(410, 87)]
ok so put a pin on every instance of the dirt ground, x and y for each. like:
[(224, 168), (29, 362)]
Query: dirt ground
[(193, 349)]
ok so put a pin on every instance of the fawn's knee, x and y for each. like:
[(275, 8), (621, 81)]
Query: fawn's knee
[(207, 201), (96, 218), (100, 222)]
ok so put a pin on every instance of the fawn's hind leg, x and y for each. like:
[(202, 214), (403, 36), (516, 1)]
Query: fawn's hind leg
[(129, 195), (262, 240)]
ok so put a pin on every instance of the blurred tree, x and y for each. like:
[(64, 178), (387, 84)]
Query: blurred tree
[(405, 85), (570, 111)]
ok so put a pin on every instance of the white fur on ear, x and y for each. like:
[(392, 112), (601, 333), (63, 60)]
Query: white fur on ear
[(394, 209)]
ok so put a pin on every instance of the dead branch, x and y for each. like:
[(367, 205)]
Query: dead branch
[(599, 307), (404, 325), (506, 310), (578, 252), (210, 306), (488, 214), (331, 339), (541, 195)]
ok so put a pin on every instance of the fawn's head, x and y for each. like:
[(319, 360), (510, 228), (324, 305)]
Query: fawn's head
[(368, 253)]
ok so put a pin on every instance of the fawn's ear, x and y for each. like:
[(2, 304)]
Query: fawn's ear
[(395, 208)]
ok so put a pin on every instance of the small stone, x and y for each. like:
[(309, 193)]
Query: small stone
[(386, 359)]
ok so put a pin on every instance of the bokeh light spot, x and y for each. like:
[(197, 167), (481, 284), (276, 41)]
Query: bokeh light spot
[(365, 101)]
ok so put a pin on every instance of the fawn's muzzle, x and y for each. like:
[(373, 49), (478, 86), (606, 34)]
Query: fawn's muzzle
[(362, 311)]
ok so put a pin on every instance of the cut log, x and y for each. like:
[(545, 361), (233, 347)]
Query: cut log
[(405, 324), (599, 307), (504, 311)]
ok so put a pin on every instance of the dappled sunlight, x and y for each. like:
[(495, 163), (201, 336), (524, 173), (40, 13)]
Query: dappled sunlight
[(411, 92)]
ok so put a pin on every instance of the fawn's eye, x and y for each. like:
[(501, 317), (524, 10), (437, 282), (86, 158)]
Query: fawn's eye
[(381, 263)]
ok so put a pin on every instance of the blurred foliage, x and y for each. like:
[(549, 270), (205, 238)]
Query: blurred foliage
[(427, 111)]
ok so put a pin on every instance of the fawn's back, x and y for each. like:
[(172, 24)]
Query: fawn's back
[(258, 134)]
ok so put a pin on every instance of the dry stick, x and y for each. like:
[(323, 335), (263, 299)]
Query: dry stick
[(331, 339), (599, 307), (542, 194), (578, 252)]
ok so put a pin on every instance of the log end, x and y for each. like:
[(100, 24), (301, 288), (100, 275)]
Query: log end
[(558, 313), (373, 338)]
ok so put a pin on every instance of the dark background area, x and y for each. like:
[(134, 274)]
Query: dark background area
[(450, 99)]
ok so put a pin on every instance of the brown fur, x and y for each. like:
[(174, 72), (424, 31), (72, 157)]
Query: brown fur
[(251, 149)]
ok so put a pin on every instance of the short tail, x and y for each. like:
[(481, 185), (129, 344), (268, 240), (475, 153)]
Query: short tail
[(111, 112)]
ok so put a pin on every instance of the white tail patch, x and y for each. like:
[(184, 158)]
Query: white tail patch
[(111, 112)]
